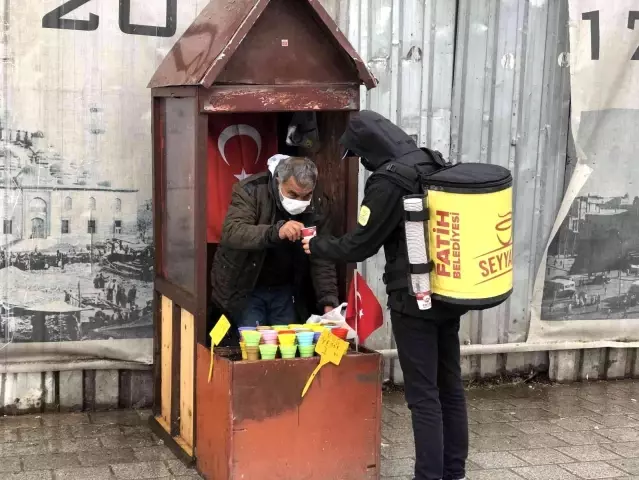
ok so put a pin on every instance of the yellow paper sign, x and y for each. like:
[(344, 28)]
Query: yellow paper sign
[(331, 347), (217, 333), (331, 350), (220, 329)]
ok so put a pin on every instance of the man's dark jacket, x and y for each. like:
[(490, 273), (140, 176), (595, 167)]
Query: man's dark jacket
[(248, 232), (379, 143)]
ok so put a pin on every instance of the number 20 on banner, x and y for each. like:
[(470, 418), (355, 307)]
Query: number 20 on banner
[(331, 350)]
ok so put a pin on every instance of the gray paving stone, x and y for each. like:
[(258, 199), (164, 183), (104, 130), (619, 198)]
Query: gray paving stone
[(593, 470), (139, 471), (23, 448), (106, 456), (50, 461), (620, 434), (495, 430), (537, 426), (577, 424), (83, 473), (95, 430), (628, 465), (124, 441), (176, 467), (73, 445), (613, 421), (398, 450), (148, 454), (21, 421), (539, 439), (40, 475), (8, 436), (501, 474), (10, 465), (542, 456), (627, 449), (496, 460), (398, 467), (65, 419), (123, 417), (495, 444), (588, 453), (581, 438), (43, 433), (544, 472), (530, 414)]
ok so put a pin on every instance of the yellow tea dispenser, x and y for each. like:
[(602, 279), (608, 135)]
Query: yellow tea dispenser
[(470, 238)]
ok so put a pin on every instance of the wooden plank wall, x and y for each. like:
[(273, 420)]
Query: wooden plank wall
[(177, 376), (187, 371)]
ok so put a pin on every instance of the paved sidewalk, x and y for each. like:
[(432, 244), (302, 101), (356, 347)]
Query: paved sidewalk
[(517, 433)]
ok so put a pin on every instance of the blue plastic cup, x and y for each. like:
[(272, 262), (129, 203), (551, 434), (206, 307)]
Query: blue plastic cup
[(305, 338)]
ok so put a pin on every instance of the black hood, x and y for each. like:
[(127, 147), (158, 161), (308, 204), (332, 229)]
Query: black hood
[(371, 136)]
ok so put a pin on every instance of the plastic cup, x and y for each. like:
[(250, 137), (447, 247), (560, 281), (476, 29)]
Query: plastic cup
[(316, 336), (287, 338), (251, 338), (318, 328), (288, 351), (340, 333), (243, 349), (306, 351), (309, 232), (279, 328), (305, 338), (268, 351), (293, 326), (252, 353), (241, 329)]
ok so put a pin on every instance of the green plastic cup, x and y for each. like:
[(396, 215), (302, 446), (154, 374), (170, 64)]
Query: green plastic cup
[(307, 351), (288, 351), (251, 338), (268, 351)]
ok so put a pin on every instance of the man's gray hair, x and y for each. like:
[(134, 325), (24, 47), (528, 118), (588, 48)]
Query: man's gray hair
[(301, 168)]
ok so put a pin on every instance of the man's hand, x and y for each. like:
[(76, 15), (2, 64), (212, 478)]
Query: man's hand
[(327, 309), (291, 231), (306, 243)]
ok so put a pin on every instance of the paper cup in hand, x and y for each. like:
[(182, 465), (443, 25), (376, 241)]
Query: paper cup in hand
[(309, 232)]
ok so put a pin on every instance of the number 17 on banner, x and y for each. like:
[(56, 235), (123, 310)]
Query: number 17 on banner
[(331, 350)]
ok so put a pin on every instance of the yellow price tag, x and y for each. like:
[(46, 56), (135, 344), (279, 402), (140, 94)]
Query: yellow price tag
[(331, 347), (217, 333), (331, 350)]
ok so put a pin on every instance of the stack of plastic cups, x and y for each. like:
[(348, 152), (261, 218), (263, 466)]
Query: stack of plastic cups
[(252, 341), (340, 332), (288, 349), (269, 337), (268, 351), (279, 328), (305, 344)]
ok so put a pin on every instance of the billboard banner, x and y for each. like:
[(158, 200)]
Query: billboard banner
[(76, 252), (587, 287)]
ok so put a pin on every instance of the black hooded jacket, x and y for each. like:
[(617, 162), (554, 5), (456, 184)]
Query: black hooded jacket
[(380, 143)]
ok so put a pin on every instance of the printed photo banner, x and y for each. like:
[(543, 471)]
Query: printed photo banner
[(587, 288), (76, 251)]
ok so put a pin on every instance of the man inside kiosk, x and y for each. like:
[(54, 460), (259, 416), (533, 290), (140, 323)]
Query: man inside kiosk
[(259, 270)]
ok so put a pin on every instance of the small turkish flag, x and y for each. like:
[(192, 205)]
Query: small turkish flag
[(364, 314), (238, 146)]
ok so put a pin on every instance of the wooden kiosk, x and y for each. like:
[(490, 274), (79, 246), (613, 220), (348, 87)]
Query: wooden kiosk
[(266, 58)]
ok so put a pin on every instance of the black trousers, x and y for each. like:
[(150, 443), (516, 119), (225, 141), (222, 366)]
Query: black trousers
[(429, 357)]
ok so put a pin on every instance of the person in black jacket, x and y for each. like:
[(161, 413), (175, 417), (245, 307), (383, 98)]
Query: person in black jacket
[(427, 340)]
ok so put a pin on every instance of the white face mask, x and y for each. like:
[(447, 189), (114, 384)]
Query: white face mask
[(292, 206)]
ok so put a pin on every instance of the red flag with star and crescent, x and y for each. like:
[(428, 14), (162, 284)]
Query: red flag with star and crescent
[(239, 145), (364, 314)]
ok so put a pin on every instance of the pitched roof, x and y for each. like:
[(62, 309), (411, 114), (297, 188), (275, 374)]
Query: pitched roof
[(202, 53)]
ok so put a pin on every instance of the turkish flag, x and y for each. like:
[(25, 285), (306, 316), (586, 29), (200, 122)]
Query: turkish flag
[(238, 146), (364, 314)]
